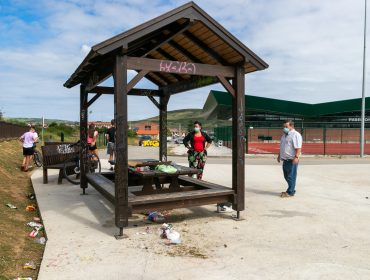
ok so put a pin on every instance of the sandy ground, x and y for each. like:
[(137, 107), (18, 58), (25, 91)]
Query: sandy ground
[(322, 233)]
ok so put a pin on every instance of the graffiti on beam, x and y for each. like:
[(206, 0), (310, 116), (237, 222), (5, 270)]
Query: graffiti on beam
[(177, 67)]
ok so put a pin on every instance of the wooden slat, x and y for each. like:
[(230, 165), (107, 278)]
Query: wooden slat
[(183, 50), (177, 196), (102, 185), (168, 37), (205, 48), (189, 181), (179, 56), (184, 203), (179, 67)]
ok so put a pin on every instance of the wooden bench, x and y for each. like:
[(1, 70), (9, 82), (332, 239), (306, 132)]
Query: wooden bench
[(54, 155), (193, 193)]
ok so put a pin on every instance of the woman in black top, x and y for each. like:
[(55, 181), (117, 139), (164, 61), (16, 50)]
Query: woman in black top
[(197, 150)]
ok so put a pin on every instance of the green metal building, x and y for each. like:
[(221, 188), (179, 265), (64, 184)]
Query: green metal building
[(269, 112)]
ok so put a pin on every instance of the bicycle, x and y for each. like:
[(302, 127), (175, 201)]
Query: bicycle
[(37, 157), (71, 168)]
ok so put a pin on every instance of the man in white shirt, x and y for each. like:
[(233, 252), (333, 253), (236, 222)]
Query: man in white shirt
[(290, 151)]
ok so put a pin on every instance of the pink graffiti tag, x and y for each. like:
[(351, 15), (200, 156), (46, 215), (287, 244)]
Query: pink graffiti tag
[(177, 67)]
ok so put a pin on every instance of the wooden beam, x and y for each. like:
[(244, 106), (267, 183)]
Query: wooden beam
[(176, 76), (184, 51), (83, 136), (121, 167), (134, 91), (205, 47), (99, 75), (227, 85), (179, 67), (92, 100), (139, 32), (163, 101), (155, 102), (136, 79), (168, 37), (238, 141), (169, 57), (193, 83)]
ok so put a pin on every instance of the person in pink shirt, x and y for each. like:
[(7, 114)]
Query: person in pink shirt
[(28, 139)]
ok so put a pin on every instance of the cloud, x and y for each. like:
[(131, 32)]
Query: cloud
[(314, 49)]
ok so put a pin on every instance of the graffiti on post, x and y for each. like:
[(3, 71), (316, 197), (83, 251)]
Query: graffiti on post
[(177, 67)]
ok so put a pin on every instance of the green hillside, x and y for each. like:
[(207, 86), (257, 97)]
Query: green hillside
[(184, 118), (177, 118), (38, 121)]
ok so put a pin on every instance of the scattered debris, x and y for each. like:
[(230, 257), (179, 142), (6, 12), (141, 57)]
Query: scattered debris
[(30, 265), (23, 278), (225, 245), (34, 224), (148, 230), (158, 217), (367, 197), (31, 208), (35, 232), (41, 240), (36, 219), (172, 236), (31, 196), (187, 251), (11, 206)]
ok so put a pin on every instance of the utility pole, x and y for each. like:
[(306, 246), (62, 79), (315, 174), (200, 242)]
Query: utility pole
[(362, 136)]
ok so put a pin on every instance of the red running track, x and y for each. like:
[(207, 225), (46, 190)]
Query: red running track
[(310, 148)]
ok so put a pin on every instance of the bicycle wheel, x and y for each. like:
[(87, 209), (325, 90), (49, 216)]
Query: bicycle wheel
[(37, 158), (93, 164), (71, 170)]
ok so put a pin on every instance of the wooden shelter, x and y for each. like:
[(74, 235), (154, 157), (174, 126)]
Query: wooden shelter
[(178, 51)]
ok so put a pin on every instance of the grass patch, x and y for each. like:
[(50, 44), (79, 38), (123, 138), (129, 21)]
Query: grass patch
[(16, 248)]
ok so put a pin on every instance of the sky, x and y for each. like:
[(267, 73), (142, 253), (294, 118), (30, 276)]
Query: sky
[(314, 49)]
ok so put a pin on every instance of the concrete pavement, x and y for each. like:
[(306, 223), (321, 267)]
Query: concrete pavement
[(322, 233)]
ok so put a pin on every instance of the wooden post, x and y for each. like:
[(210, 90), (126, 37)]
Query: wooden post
[(163, 101), (238, 141), (121, 167), (83, 137)]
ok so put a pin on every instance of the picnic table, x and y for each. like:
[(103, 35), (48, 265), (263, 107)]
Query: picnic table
[(151, 177)]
